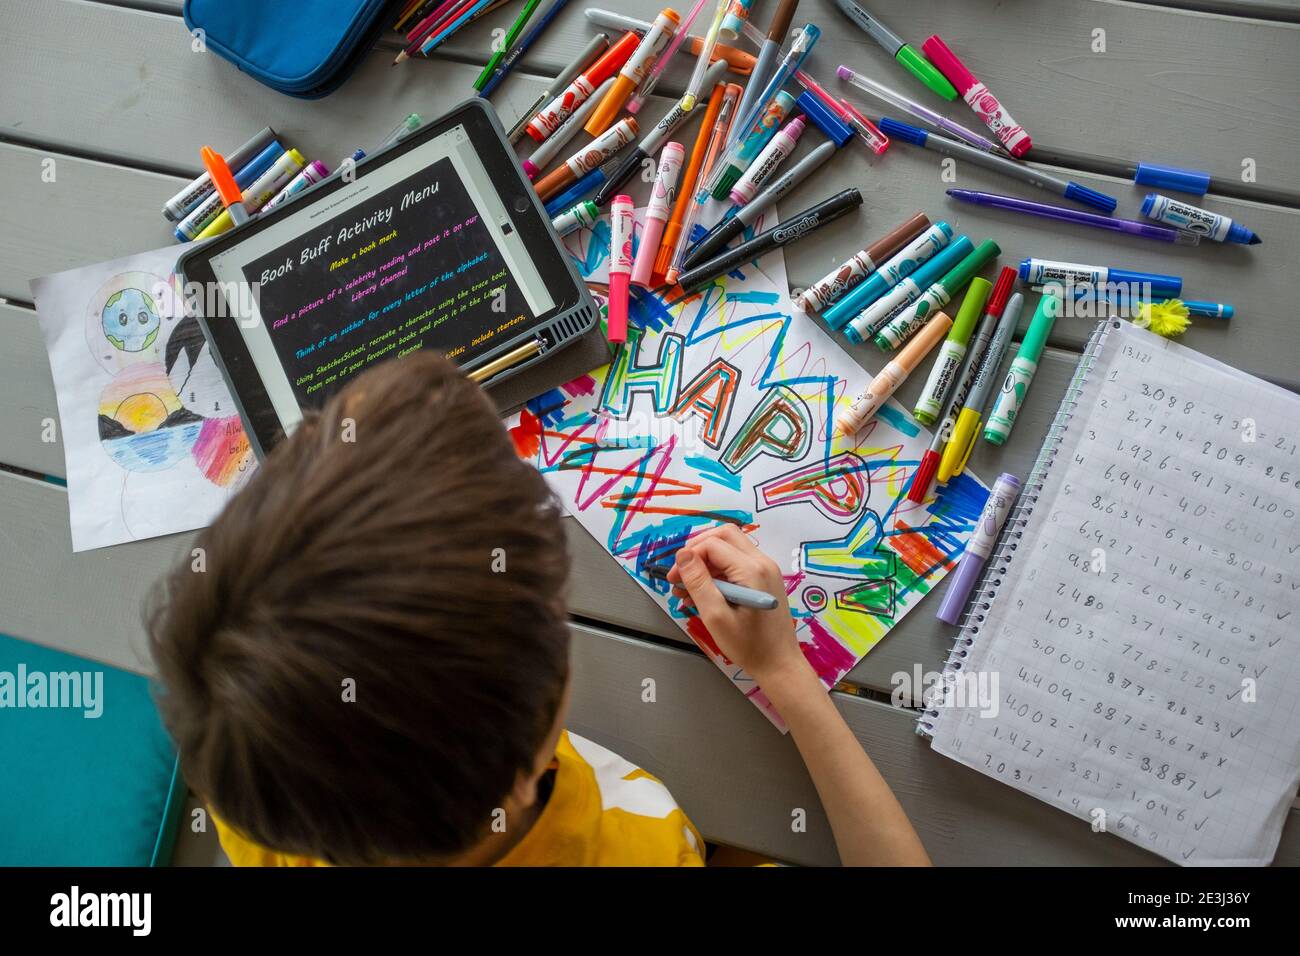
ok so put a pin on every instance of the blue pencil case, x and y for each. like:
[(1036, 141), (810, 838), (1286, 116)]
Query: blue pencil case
[(305, 49)]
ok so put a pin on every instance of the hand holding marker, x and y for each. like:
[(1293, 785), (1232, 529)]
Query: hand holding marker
[(1021, 374)]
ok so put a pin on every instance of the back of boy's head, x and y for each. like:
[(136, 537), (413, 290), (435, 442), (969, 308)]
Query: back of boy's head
[(371, 645)]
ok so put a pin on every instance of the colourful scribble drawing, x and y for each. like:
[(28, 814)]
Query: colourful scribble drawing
[(720, 408)]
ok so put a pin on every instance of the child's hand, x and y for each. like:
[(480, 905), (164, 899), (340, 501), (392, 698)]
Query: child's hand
[(762, 642)]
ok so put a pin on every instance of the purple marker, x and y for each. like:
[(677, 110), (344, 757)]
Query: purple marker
[(980, 547), (1047, 210)]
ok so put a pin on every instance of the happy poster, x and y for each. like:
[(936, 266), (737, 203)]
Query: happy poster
[(721, 408)]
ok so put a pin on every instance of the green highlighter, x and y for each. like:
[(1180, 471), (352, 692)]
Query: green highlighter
[(907, 55), (1016, 385), (903, 325), (951, 353)]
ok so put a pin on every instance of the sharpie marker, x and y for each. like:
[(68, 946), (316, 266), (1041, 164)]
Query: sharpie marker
[(772, 156), (736, 595), (583, 215), (1021, 374), (944, 371), (977, 96), (552, 116), (595, 47), (662, 194), (929, 465), (1039, 272), (588, 158), (904, 54), (570, 128), (313, 173), (188, 199), (966, 430), (980, 547), (863, 408), (900, 328), (780, 235), (1194, 219), (899, 266), (853, 270), (634, 70), (716, 239), (620, 266), (909, 288)]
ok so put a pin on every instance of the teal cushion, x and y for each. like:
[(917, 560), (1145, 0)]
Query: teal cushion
[(78, 790)]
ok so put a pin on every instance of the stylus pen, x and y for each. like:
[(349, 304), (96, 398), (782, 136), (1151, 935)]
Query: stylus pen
[(737, 595), (732, 226), (593, 50), (543, 154), (782, 234), (510, 359), (767, 54)]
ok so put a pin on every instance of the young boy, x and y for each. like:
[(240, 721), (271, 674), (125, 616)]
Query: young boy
[(372, 666)]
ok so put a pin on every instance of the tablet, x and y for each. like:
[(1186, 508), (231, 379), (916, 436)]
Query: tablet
[(437, 242)]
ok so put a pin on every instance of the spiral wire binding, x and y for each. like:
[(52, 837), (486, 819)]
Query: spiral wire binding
[(986, 588)]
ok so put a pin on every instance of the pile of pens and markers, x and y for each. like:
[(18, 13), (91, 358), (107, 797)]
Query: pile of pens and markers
[(256, 177)]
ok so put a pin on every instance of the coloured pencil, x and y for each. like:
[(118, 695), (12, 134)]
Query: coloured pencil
[(512, 35)]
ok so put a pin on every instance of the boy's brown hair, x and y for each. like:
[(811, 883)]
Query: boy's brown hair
[(421, 563)]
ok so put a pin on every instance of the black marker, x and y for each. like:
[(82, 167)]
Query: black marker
[(783, 233), (717, 238)]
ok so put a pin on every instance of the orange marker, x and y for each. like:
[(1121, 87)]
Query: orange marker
[(634, 71), (552, 116), (224, 183), (686, 189)]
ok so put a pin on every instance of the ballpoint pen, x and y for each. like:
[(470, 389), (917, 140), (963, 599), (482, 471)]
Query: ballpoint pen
[(867, 131), (1131, 227), (1002, 164), (903, 53), (516, 28), (769, 48), (652, 79), (596, 46), (891, 96), (516, 52), (696, 82), (730, 97)]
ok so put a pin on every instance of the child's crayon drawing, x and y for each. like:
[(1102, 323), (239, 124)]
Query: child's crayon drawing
[(720, 409)]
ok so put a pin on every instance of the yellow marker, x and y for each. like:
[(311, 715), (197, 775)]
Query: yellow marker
[(262, 191)]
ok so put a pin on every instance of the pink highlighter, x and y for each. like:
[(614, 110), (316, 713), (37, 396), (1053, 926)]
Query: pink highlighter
[(620, 266), (656, 214), (977, 96)]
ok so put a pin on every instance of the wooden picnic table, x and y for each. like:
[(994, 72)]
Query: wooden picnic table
[(115, 94)]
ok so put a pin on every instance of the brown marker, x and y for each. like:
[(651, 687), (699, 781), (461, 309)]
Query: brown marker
[(861, 264)]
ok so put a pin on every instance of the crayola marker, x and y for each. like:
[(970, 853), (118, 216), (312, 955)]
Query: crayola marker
[(1021, 373), (873, 318), (900, 328), (944, 371), (899, 266)]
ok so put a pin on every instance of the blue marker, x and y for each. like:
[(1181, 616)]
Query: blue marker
[(910, 288), (1040, 272), (902, 264), (569, 198), (1198, 221), (1213, 310)]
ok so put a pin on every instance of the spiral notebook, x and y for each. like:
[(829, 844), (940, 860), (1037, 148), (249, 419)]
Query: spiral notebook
[(1131, 654)]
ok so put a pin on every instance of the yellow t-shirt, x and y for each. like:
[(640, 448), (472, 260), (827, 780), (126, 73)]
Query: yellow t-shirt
[(603, 811)]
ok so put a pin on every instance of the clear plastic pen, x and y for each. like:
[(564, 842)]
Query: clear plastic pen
[(648, 84), (726, 114), (706, 53), (871, 136), (894, 98)]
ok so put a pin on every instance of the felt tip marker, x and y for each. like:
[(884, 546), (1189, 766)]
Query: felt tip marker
[(209, 208), (312, 173), (620, 266), (583, 215), (893, 303), (898, 267), (258, 194), (904, 54), (574, 194), (772, 156), (1194, 219), (853, 270), (652, 78), (188, 199), (738, 61), (923, 477), (863, 408), (595, 47), (743, 151), (223, 181), (634, 70), (944, 371), (900, 328), (977, 96), (769, 48), (1021, 374), (1040, 272), (552, 116), (717, 137), (1047, 210), (662, 194), (967, 425), (980, 547), (570, 128), (737, 595), (588, 158), (672, 236)]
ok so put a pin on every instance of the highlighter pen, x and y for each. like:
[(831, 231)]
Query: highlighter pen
[(593, 50), (745, 150), (768, 50), (977, 96), (516, 28), (1047, 210), (923, 477), (853, 270), (737, 595), (863, 408), (944, 371), (900, 328), (772, 156), (903, 53), (553, 114), (686, 188), (226, 187), (258, 194), (967, 425), (909, 288), (208, 209), (188, 199), (662, 194), (620, 266), (1000, 164), (602, 148), (677, 115), (652, 78), (584, 214), (312, 173), (1015, 386), (634, 71), (1202, 222), (705, 53), (887, 94), (779, 236), (898, 267), (980, 547), (737, 221), (738, 61), (566, 200), (570, 128), (726, 113)]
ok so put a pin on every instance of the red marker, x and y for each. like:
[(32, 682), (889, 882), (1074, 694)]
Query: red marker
[(620, 266), (977, 96), (553, 114)]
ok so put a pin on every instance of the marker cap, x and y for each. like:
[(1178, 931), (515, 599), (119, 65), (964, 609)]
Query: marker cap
[(1090, 197), (963, 271), (835, 129), (916, 64), (949, 64), (1006, 281), (972, 307), (1171, 177), (904, 131)]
